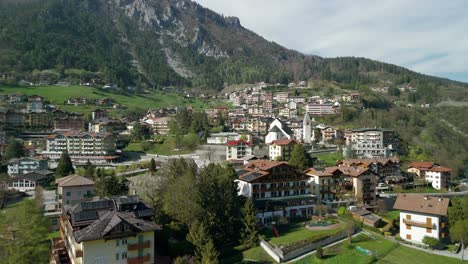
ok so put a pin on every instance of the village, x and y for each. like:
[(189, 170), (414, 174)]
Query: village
[(295, 169)]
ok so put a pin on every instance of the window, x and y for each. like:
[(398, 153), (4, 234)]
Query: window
[(140, 253), (408, 237), (124, 255), (124, 241), (117, 256), (408, 227), (141, 238), (117, 243), (68, 193)]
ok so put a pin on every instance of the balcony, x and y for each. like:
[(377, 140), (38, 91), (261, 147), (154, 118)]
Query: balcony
[(138, 246), (418, 224), (138, 260)]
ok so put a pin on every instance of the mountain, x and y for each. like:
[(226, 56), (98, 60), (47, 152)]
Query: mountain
[(160, 43)]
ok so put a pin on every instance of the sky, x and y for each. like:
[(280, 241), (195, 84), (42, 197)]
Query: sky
[(426, 36)]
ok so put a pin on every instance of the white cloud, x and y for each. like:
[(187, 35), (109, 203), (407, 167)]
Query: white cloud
[(424, 35)]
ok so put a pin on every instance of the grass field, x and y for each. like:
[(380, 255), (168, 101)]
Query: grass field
[(58, 94), (329, 159), (161, 149), (392, 215), (294, 232), (385, 251)]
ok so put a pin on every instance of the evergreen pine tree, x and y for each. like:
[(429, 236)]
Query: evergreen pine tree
[(198, 236), (152, 167), (299, 157), (209, 254), (14, 150), (89, 169), (65, 166), (249, 233)]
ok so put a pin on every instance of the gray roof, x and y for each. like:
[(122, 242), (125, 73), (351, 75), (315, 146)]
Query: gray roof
[(107, 222)]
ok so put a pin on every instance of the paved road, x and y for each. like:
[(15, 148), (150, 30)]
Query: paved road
[(389, 195)]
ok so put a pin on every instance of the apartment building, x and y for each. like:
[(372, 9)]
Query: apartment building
[(159, 125), (278, 190), (282, 97), (69, 122), (340, 185), (74, 188), (98, 148), (318, 109), (222, 138), (281, 149), (238, 149), (26, 165), (115, 230), (373, 142), (422, 216)]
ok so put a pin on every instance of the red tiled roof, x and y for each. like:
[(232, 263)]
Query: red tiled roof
[(421, 164), (440, 169), (238, 142), (353, 171), (283, 142), (264, 164)]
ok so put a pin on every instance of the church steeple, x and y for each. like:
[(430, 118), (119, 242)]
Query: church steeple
[(306, 129)]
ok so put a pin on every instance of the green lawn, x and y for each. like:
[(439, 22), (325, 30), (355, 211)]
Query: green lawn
[(406, 255), (58, 94), (392, 215), (53, 234), (296, 231), (329, 159)]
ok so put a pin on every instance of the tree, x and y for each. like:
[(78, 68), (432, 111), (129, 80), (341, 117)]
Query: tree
[(3, 189), (350, 227), (459, 233), (458, 211), (199, 237), (299, 157), (431, 242), (249, 233), (139, 132), (209, 254), (110, 185), (319, 252), (90, 169), (65, 166), (13, 150), (152, 166), (24, 230), (321, 209)]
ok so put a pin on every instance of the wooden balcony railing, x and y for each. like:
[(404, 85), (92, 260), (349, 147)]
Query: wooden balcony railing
[(417, 223), (138, 246), (138, 260)]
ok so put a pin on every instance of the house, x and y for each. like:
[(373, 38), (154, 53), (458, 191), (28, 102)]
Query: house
[(383, 167), (99, 113), (26, 165), (69, 122), (29, 181), (330, 133), (278, 190), (115, 230), (73, 189), (419, 168), (105, 124), (433, 173), (281, 149), (238, 149), (366, 217), (98, 148), (159, 125), (278, 130), (341, 185), (282, 97), (422, 216), (438, 177)]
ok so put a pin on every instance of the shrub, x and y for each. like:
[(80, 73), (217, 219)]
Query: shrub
[(431, 242), (398, 238), (387, 234), (319, 252), (341, 210)]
